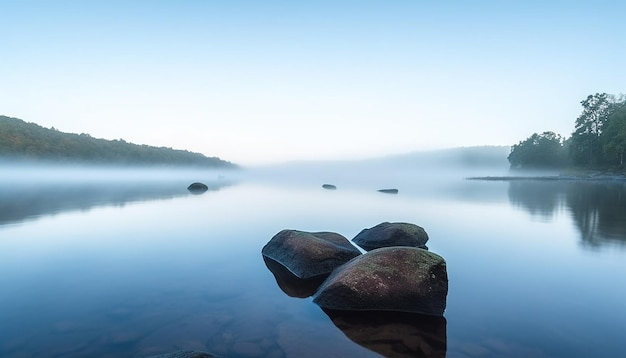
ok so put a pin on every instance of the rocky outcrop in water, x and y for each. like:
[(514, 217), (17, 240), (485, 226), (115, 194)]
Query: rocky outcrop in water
[(309, 254), (389, 279), (392, 234), (400, 277)]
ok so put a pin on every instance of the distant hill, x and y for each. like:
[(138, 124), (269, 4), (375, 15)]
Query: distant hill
[(29, 141), (459, 157), (460, 162), (477, 156)]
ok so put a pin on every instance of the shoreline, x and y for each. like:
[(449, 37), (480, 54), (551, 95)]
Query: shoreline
[(599, 177)]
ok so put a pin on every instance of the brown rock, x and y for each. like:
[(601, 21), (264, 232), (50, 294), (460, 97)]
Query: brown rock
[(309, 254), (390, 279), (392, 234)]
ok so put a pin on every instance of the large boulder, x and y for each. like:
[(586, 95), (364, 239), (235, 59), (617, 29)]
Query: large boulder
[(392, 234), (310, 254), (404, 279)]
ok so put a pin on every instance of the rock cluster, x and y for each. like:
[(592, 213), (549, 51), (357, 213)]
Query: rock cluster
[(397, 274)]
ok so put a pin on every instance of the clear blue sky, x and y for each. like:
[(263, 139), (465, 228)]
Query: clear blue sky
[(268, 81)]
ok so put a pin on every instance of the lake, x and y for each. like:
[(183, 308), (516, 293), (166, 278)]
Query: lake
[(138, 266)]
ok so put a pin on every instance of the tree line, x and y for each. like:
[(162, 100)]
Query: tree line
[(597, 142), (22, 140)]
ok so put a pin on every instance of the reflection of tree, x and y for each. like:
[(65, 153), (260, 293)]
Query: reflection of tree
[(537, 197), (598, 209)]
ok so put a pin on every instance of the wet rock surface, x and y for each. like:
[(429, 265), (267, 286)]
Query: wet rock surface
[(390, 279), (309, 254), (392, 234)]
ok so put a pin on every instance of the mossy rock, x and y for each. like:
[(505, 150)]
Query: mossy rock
[(392, 234), (310, 254), (390, 279)]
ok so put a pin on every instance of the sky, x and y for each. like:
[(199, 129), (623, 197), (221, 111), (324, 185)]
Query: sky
[(259, 82)]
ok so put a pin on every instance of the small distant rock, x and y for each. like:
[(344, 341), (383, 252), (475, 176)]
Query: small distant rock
[(388, 191), (405, 279), (197, 188), (310, 254), (329, 186), (392, 234)]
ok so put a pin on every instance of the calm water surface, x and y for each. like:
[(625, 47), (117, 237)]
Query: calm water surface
[(132, 269)]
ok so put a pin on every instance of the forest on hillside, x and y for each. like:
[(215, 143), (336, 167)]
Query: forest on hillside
[(598, 140), (29, 141)]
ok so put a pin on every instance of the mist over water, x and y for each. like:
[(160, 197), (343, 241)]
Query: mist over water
[(28, 191), (403, 172), (21, 171)]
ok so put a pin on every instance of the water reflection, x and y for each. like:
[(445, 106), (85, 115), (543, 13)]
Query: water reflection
[(598, 209), (599, 212), (542, 198), (394, 334), (291, 284), (27, 201)]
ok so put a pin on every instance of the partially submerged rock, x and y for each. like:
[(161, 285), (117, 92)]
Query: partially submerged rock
[(310, 254), (392, 234), (197, 188), (389, 279)]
